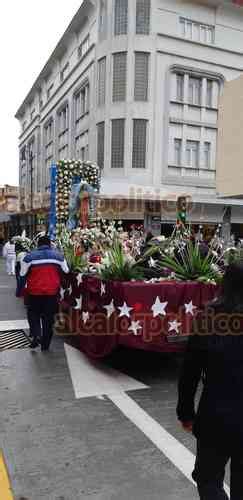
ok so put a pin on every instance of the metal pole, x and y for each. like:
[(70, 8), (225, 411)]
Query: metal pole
[(31, 181), (31, 192)]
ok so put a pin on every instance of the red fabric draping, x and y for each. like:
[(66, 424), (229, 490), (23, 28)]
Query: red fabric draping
[(100, 334)]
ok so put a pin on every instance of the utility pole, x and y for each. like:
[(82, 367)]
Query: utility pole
[(31, 194), (31, 180), (30, 170)]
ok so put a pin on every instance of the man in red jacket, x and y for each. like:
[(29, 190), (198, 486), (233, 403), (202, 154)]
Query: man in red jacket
[(43, 268)]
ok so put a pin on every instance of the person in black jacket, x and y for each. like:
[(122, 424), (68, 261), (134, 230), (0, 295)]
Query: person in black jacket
[(215, 356)]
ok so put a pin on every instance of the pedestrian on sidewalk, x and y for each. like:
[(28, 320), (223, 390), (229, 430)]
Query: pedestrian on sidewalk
[(20, 255), (43, 268), (10, 257), (215, 354)]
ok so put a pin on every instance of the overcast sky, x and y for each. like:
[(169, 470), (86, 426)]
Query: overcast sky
[(29, 31)]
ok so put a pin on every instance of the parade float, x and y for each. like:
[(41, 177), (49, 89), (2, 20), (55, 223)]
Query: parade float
[(120, 291)]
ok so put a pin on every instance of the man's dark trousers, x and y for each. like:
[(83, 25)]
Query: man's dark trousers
[(209, 471), (41, 316)]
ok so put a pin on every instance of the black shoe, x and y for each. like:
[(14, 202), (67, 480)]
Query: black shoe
[(44, 348), (33, 344)]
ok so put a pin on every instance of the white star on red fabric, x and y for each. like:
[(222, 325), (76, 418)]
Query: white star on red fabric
[(135, 326), (159, 307), (79, 303), (102, 289), (85, 317), (174, 326), (125, 310), (110, 308), (190, 308), (79, 279)]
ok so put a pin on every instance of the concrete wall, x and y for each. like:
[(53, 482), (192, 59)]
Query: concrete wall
[(230, 140)]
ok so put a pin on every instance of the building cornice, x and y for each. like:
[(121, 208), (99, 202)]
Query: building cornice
[(199, 60), (211, 46)]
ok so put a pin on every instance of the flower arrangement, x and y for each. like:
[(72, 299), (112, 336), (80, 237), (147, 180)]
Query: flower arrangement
[(100, 236), (84, 246), (119, 266), (76, 260), (67, 169), (189, 264), (105, 249)]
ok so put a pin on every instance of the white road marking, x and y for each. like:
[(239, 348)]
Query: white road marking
[(21, 324), (93, 379), (180, 456), (176, 452)]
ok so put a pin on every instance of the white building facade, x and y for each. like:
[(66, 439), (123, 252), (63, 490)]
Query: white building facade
[(135, 86)]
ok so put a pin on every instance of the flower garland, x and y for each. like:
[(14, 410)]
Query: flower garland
[(67, 169)]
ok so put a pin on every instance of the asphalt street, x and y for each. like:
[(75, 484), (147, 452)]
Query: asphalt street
[(69, 433)]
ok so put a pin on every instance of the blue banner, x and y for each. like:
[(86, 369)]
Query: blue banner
[(52, 215)]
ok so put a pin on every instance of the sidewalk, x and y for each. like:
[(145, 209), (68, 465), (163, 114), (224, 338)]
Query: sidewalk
[(11, 308)]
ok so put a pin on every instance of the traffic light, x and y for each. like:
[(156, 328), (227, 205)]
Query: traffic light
[(181, 210)]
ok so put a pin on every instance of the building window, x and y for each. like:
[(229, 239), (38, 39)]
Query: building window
[(119, 76), (103, 20), (177, 151), (209, 97), (81, 103), (139, 143), (101, 144), (63, 132), (81, 108), (24, 125), (121, 17), (32, 172), (194, 91), (179, 87), (49, 151), (101, 81), (23, 179), (64, 72), (84, 47), (192, 154), (32, 114), (40, 102), (82, 146), (207, 155), (197, 31), (50, 90), (143, 17), (141, 76), (117, 143)]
